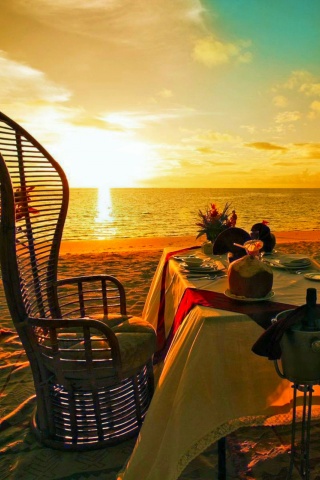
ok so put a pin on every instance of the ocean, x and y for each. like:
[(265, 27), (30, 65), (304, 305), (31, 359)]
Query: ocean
[(150, 212)]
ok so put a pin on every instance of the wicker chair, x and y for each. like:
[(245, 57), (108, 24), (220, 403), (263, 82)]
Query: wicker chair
[(91, 362)]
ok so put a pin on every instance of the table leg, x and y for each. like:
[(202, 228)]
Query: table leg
[(305, 431), (222, 458), (293, 432)]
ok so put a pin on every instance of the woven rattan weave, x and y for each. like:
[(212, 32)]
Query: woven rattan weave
[(91, 362)]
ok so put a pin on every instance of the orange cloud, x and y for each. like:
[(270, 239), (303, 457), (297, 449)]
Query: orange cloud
[(280, 101), (23, 83), (287, 117), (205, 150), (292, 163), (212, 52), (315, 109), (265, 146), (83, 120), (311, 89), (297, 79), (212, 136), (309, 151)]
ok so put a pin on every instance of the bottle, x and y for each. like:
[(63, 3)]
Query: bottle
[(309, 323)]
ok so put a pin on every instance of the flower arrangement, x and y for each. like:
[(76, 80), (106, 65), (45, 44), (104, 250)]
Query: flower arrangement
[(214, 222)]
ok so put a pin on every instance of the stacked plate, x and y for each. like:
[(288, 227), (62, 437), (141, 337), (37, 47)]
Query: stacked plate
[(182, 258), (210, 267), (291, 262)]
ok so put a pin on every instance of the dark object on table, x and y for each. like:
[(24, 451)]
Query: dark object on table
[(91, 362), (268, 238), (292, 323), (224, 242), (300, 345), (298, 333)]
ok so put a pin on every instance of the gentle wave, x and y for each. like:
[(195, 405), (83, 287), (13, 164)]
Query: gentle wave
[(150, 212)]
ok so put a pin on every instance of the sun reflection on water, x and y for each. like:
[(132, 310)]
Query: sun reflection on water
[(104, 213)]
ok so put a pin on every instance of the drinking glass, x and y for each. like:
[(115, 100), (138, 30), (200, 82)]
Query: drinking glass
[(254, 234)]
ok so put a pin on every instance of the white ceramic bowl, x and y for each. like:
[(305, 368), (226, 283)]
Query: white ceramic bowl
[(193, 261)]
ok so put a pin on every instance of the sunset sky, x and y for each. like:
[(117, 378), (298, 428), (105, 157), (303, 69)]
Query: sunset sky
[(167, 93)]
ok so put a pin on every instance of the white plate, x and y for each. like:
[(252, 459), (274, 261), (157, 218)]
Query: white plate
[(313, 276), (201, 268), (245, 299)]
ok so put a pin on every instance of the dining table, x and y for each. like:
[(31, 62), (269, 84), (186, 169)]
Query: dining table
[(210, 382)]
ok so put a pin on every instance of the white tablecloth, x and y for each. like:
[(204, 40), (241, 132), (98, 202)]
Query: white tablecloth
[(211, 383)]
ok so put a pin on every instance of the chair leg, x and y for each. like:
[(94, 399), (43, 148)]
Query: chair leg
[(222, 471)]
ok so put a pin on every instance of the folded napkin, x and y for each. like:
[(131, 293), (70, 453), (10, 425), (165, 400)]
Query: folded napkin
[(268, 344)]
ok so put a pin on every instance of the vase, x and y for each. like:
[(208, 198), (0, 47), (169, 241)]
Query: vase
[(206, 248), (212, 236)]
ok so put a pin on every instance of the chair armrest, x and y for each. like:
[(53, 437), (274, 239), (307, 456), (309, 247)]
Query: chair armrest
[(76, 339), (88, 278), (88, 296)]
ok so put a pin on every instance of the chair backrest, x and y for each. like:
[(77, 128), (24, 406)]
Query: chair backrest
[(34, 202), (93, 384)]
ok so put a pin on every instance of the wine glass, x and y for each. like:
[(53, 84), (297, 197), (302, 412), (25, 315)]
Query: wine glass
[(254, 235)]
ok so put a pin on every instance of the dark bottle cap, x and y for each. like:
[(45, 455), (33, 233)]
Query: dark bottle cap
[(311, 296)]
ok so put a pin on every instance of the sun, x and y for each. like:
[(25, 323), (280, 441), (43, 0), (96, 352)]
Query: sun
[(93, 157)]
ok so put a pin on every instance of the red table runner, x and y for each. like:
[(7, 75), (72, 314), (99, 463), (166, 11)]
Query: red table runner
[(262, 314), (161, 334)]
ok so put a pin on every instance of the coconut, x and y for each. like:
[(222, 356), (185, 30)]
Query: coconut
[(249, 277)]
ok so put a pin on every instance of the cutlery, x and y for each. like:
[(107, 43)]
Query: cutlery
[(202, 277), (211, 277)]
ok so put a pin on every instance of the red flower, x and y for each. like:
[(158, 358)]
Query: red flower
[(213, 222), (21, 200)]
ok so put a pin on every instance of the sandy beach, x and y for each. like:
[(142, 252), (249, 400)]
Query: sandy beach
[(143, 244), (253, 453)]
